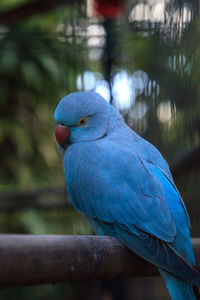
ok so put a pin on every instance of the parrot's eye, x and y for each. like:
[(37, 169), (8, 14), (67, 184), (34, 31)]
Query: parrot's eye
[(82, 122)]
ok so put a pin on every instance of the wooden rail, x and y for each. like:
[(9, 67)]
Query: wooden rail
[(38, 259), (45, 198)]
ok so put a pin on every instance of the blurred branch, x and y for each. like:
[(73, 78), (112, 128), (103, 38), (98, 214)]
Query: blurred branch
[(36, 205), (186, 162), (32, 194), (38, 259), (30, 9), (43, 198), (37, 198)]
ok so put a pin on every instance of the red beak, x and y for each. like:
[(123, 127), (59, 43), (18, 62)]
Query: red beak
[(62, 134)]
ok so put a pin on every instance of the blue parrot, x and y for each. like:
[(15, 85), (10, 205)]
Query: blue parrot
[(123, 186)]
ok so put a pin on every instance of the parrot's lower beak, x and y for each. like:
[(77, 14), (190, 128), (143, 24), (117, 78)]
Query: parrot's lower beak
[(62, 135)]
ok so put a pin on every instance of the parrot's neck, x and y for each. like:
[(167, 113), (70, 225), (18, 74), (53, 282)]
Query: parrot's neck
[(117, 127), (115, 119)]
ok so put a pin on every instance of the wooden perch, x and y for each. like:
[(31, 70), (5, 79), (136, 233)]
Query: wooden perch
[(38, 259)]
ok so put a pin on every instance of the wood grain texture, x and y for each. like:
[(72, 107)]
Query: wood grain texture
[(39, 259)]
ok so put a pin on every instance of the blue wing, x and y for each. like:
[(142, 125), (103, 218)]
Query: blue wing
[(117, 186), (133, 200)]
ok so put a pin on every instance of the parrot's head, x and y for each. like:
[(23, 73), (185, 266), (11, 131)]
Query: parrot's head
[(81, 116)]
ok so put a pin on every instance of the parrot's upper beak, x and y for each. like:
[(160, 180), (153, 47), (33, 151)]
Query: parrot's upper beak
[(62, 135)]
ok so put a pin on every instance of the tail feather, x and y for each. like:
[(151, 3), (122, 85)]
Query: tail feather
[(178, 288)]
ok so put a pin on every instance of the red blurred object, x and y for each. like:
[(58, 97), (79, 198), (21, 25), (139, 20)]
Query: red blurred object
[(109, 8), (62, 134)]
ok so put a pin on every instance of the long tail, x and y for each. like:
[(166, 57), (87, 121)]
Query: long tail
[(178, 288)]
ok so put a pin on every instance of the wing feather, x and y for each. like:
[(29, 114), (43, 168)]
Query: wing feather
[(118, 187), (129, 198)]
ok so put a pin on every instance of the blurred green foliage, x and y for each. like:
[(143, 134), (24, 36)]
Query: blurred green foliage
[(35, 70), (38, 65)]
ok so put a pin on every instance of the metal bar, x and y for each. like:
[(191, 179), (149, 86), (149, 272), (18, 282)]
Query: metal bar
[(39, 259)]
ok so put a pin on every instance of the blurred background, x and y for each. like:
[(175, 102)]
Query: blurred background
[(144, 58)]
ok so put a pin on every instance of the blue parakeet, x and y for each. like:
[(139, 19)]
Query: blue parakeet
[(124, 188)]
